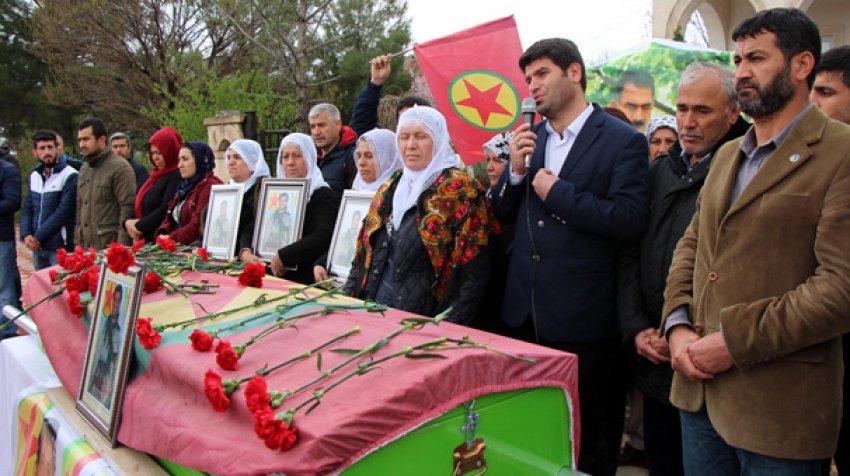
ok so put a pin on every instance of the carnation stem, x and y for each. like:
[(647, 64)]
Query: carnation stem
[(28, 309)]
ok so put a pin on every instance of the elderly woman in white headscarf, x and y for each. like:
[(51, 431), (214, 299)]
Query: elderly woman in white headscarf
[(377, 159), (247, 166), (425, 243), (297, 159)]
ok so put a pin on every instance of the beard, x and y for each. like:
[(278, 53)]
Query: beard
[(768, 101)]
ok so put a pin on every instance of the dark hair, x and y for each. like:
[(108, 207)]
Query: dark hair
[(638, 77), (795, 33), (613, 111), (410, 101), (561, 51), (42, 136), (838, 60), (97, 127)]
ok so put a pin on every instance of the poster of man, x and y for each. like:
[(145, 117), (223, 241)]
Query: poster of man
[(354, 206), (222, 226), (278, 232), (101, 386)]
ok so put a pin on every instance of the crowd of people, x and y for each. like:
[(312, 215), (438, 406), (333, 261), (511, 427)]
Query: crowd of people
[(698, 263)]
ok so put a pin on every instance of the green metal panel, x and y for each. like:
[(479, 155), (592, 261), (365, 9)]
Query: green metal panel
[(526, 432)]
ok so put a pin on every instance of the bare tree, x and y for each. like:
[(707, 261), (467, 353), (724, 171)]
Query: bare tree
[(113, 57), (695, 32)]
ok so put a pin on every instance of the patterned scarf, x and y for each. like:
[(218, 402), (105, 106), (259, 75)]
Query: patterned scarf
[(204, 164), (455, 221)]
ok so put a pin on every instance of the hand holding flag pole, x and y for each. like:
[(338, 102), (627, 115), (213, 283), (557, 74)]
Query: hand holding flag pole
[(393, 55)]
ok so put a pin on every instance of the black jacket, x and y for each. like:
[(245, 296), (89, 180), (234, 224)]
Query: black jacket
[(642, 277), (155, 204), (414, 273), (319, 221)]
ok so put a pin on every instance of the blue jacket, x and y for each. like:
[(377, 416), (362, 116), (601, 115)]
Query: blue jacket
[(10, 199), (49, 210), (563, 266)]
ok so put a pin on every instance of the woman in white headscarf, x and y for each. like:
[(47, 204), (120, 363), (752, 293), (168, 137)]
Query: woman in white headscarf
[(377, 159), (297, 159), (425, 243), (247, 166)]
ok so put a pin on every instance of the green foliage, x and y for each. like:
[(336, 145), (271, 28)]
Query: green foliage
[(22, 77), (664, 60), (363, 29), (201, 97)]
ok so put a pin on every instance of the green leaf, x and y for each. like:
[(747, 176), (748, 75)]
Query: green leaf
[(425, 356), (313, 407), (345, 351), (380, 344), (319, 360)]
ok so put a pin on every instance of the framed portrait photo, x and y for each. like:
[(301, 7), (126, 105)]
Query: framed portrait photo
[(109, 350), (222, 225), (352, 211), (280, 215)]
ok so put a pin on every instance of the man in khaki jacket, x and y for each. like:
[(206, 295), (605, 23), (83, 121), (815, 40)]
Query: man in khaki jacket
[(759, 289), (106, 190)]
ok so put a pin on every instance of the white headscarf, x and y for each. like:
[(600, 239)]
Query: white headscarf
[(385, 157), (413, 182), (308, 150), (252, 154)]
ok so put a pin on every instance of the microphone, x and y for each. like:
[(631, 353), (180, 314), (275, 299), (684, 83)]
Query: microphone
[(529, 110)]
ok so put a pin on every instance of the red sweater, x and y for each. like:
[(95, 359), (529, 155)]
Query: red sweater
[(194, 205)]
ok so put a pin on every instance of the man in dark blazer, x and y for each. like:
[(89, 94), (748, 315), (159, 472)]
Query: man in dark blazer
[(584, 193), (759, 289)]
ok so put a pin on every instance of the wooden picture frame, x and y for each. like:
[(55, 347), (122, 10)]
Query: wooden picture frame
[(280, 215), (110, 345), (346, 229), (221, 230)]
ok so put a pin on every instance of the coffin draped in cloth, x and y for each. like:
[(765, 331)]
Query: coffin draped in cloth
[(166, 414)]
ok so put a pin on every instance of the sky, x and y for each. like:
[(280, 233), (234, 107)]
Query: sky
[(600, 28)]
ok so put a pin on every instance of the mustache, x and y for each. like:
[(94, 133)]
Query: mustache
[(746, 83), (691, 133)]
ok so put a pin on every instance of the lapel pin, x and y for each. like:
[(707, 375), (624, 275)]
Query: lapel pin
[(794, 158)]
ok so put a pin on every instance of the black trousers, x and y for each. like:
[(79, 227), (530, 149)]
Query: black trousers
[(662, 437), (842, 453), (602, 397)]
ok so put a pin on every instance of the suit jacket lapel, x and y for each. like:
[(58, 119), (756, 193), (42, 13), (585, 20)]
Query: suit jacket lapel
[(586, 136), (792, 153)]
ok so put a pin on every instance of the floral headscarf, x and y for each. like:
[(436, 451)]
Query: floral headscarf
[(659, 122), (385, 157), (308, 150), (252, 154), (500, 146)]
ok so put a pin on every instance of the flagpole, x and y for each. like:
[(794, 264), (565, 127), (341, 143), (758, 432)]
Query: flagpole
[(393, 55)]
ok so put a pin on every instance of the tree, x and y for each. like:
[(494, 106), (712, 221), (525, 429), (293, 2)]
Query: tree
[(318, 49), (112, 57), (22, 78), (203, 97)]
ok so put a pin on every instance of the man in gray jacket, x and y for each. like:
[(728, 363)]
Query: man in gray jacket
[(106, 190)]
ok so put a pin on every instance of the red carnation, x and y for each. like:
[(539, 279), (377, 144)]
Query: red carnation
[(152, 283), (215, 391), (92, 278), (88, 259), (252, 275), (203, 254), (257, 395), (53, 275), (74, 304), (148, 336), (61, 254), (138, 245), (201, 341), (119, 259), (275, 432), (227, 357), (166, 244), (74, 284)]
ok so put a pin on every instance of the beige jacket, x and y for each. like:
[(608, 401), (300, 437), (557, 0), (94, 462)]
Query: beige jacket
[(774, 271), (106, 193)]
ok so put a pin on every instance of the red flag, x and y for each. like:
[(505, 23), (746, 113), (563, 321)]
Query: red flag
[(475, 79)]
